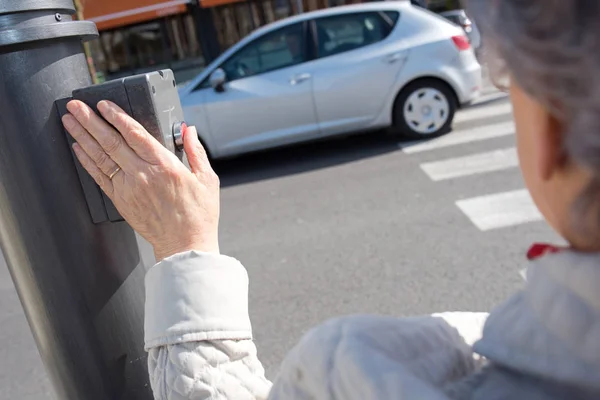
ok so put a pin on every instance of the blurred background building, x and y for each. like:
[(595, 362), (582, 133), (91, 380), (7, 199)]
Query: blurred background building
[(184, 35)]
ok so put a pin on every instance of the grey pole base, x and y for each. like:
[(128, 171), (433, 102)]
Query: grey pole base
[(80, 283)]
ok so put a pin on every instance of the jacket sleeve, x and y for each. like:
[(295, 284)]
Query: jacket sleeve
[(197, 330), (376, 357)]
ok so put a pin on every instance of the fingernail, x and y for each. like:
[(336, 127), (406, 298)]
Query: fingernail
[(183, 130), (68, 121), (72, 106), (103, 106)]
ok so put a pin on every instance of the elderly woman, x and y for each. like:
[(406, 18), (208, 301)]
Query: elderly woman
[(543, 343)]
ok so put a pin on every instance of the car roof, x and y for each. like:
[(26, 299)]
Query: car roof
[(371, 6), (453, 13)]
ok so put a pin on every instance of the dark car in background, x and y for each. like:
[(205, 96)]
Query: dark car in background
[(460, 18)]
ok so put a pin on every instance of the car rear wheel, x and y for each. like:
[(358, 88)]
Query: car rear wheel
[(424, 109)]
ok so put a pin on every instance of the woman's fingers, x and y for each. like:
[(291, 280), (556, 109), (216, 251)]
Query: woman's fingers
[(90, 166), (89, 145), (136, 136), (110, 140), (195, 152)]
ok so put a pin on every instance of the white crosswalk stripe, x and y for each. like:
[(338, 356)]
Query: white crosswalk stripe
[(489, 211), (461, 137), (474, 164), (500, 210), (482, 112)]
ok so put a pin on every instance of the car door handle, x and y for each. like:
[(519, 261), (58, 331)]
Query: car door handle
[(393, 58), (299, 78)]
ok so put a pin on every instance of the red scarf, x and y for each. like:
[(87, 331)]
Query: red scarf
[(541, 249)]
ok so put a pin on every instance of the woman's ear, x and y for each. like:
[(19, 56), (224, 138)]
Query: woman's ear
[(539, 138)]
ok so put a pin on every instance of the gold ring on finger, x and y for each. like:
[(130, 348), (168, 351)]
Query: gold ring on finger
[(112, 174)]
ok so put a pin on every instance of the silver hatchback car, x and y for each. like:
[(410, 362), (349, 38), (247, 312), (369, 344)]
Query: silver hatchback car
[(331, 72)]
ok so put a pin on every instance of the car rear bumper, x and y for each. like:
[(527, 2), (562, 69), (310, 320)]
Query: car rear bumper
[(474, 83), (469, 78)]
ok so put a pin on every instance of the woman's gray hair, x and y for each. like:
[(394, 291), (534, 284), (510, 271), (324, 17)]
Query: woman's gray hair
[(551, 48)]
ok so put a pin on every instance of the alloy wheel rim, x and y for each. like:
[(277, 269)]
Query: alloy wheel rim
[(426, 110)]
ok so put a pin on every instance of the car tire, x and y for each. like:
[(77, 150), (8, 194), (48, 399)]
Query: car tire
[(424, 109)]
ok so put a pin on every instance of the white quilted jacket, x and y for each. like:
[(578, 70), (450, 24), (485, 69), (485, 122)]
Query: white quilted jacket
[(200, 346), (199, 340)]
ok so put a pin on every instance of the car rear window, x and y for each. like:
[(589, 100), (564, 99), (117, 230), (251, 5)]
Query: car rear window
[(394, 16), (351, 31), (453, 18)]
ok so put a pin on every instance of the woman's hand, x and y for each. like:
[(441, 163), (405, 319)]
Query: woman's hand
[(173, 208)]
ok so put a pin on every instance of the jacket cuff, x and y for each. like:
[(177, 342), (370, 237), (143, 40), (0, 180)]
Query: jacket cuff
[(195, 296)]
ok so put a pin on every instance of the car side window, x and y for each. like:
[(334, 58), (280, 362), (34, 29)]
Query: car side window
[(280, 49), (348, 32)]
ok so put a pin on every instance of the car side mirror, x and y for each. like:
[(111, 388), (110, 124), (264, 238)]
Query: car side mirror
[(217, 80)]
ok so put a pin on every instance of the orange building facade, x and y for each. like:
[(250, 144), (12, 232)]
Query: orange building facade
[(143, 35), (184, 35)]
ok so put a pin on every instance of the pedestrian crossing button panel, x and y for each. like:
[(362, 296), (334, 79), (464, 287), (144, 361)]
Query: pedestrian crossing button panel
[(152, 100)]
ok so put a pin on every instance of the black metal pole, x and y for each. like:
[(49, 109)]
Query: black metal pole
[(81, 284)]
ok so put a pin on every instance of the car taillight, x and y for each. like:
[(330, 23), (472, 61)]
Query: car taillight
[(461, 42)]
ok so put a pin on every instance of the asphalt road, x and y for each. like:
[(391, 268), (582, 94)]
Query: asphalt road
[(357, 225)]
